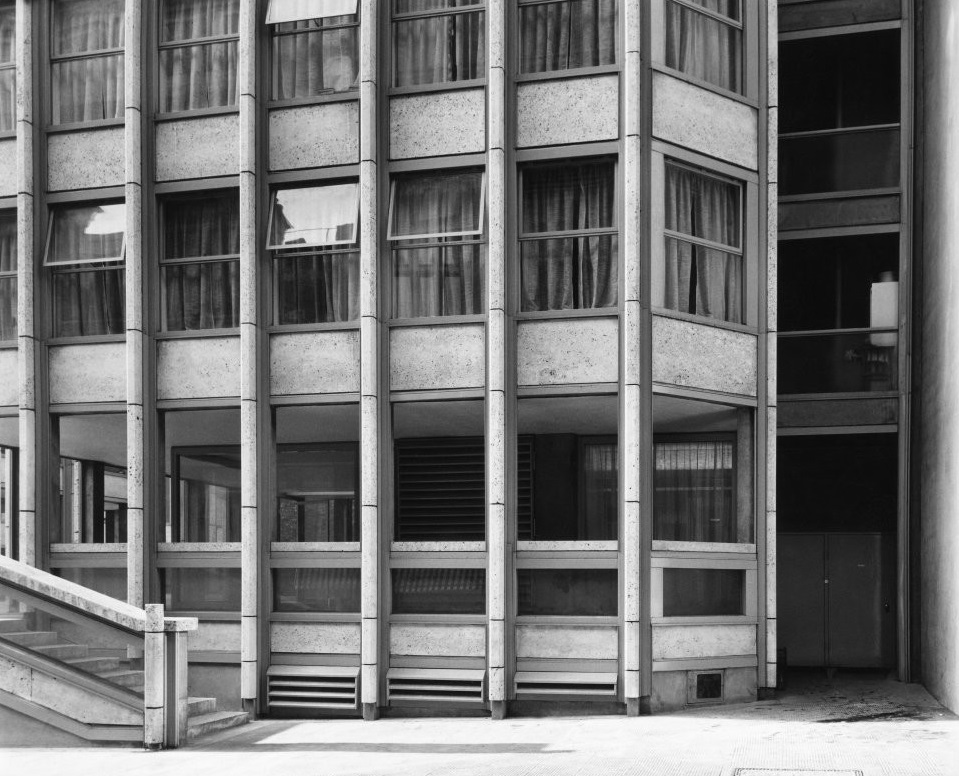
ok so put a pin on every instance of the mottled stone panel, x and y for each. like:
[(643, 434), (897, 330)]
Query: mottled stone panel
[(315, 136), (329, 638), (197, 148), (438, 124), (88, 373), (695, 355), (315, 362), (8, 167), (568, 351), (85, 160), (438, 640), (569, 110), (216, 636), (8, 377), (704, 121), (573, 642), (437, 357), (198, 368), (682, 642)]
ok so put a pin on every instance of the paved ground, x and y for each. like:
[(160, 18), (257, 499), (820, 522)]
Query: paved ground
[(852, 724)]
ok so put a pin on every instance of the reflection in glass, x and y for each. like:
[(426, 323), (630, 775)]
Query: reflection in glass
[(207, 495), (567, 592), (317, 489), (201, 589), (316, 590), (439, 591), (317, 215)]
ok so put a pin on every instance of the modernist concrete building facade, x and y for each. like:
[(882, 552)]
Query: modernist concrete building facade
[(477, 356)]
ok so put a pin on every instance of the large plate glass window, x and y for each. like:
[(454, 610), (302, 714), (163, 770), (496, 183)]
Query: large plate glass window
[(704, 40), (568, 239), (437, 233), (84, 255), (8, 68), (313, 238), (198, 54), (315, 47), (438, 41), (199, 262), (8, 275), (566, 35), (86, 60)]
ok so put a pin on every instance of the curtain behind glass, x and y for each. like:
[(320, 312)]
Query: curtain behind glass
[(313, 60), (8, 284), (566, 35), (600, 501), (203, 75), (436, 49), (202, 295), (701, 280), (704, 47), (8, 112), (317, 288), (560, 273), (693, 492), (91, 88)]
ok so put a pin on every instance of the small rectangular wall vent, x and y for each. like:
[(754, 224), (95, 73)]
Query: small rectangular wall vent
[(426, 686), (705, 687), (312, 687), (545, 685)]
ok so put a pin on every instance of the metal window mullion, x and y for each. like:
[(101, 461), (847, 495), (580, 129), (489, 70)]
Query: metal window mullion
[(599, 232), (192, 42), (839, 130), (420, 245), (313, 30), (727, 20), (98, 54), (199, 259), (722, 247), (436, 14), (278, 253)]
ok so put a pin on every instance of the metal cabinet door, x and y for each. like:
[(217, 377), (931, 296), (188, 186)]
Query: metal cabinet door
[(801, 604)]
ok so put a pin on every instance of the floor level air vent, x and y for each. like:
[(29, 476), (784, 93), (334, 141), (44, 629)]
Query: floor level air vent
[(545, 685), (705, 687), (423, 686), (312, 687)]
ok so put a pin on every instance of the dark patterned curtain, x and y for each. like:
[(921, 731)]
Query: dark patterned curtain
[(436, 49), (8, 282), (567, 35), (694, 492), (704, 47), (312, 60)]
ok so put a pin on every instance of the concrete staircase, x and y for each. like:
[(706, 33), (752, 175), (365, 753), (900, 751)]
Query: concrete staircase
[(204, 718)]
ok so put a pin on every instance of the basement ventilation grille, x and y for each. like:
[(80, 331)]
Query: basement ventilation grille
[(419, 686), (312, 687), (532, 685)]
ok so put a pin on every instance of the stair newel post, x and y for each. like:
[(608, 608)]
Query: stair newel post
[(177, 705), (154, 679)]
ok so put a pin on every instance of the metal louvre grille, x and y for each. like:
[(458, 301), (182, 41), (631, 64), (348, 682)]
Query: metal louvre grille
[(411, 686), (563, 684), (312, 687)]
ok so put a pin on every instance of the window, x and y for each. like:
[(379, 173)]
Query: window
[(85, 258), (439, 591), (438, 41), (198, 54), (704, 244), (694, 491), (315, 47), (703, 592), (86, 60), (8, 275), (317, 489), (200, 268), (316, 590), (704, 40), (568, 240), (8, 69), (201, 589), (436, 228), (566, 35), (313, 236), (567, 592)]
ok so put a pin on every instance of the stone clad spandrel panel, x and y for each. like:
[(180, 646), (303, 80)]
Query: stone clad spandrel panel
[(315, 362), (314, 136), (437, 357), (438, 124), (683, 642), (204, 147), (199, 368), (87, 373), (565, 352), (8, 167), (575, 642), (706, 122), (85, 160), (568, 110), (438, 640), (329, 638)]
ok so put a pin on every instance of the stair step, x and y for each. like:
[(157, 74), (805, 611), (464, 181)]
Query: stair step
[(95, 665), (124, 678), (204, 724), (63, 651), (14, 624), (198, 706), (32, 638)]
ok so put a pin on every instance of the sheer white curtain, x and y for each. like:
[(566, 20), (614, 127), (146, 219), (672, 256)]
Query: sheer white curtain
[(693, 492), (435, 49), (566, 35), (8, 113), (704, 47), (199, 75), (444, 276), (89, 88), (311, 60), (8, 282), (699, 279), (560, 273)]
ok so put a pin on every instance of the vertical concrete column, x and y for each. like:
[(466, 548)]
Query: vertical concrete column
[(767, 501), (630, 442), (369, 364), (136, 302), (249, 353), (26, 332), (498, 545), (154, 678)]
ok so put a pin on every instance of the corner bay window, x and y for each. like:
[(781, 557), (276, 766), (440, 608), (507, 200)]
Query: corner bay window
[(198, 54), (8, 275), (437, 234), (566, 35), (8, 70), (704, 40), (313, 237), (703, 270), (568, 240), (86, 60), (200, 269), (85, 258), (315, 47), (438, 41), (694, 491)]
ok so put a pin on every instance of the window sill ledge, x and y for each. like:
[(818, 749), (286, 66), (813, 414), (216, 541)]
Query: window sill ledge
[(445, 86), (318, 99), (565, 75)]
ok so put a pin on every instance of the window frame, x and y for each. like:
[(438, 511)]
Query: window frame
[(177, 452), (6, 275), (11, 65)]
